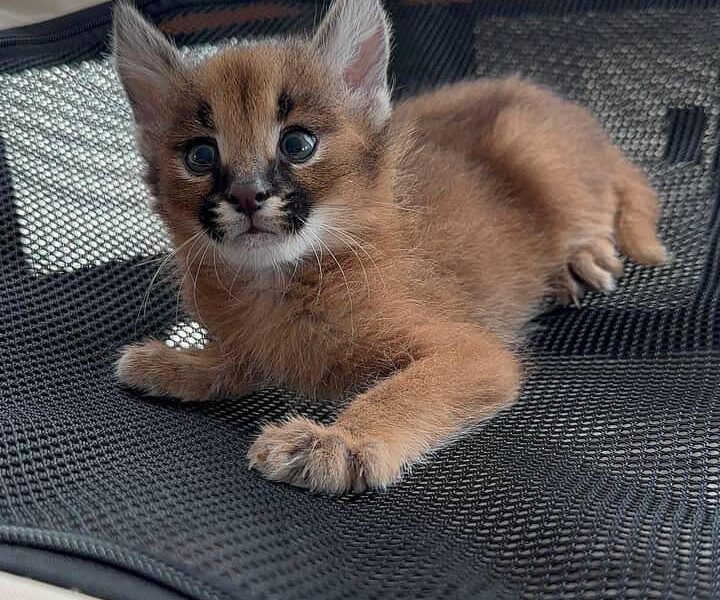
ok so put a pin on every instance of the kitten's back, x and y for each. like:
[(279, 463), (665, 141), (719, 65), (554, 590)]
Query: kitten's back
[(513, 182)]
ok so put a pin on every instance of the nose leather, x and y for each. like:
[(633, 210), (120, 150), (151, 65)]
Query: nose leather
[(247, 196)]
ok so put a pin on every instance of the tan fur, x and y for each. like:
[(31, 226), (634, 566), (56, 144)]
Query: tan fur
[(450, 227)]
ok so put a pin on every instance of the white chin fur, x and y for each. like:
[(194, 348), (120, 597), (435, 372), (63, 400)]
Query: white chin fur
[(259, 252)]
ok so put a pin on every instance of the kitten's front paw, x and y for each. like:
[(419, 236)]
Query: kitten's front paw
[(323, 459), (158, 370)]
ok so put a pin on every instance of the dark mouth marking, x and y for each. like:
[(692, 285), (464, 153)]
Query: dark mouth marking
[(298, 210), (208, 218), (297, 202)]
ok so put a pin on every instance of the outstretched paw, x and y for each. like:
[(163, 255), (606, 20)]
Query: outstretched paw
[(158, 370), (324, 459)]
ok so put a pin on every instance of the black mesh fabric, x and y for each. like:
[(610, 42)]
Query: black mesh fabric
[(602, 482)]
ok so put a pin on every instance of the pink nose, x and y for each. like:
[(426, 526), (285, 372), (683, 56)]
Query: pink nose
[(246, 196)]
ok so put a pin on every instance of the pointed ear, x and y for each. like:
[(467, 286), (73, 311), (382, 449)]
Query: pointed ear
[(146, 62), (354, 42)]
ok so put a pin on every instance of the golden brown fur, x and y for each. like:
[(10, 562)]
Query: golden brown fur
[(447, 224)]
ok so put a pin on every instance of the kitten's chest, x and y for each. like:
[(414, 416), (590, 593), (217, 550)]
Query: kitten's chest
[(292, 337)]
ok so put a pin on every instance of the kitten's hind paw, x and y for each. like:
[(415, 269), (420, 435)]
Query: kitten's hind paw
[(595, 266), (323, 459)]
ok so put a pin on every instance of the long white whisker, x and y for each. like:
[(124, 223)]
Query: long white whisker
[(187, 263), (154, 260), (292, 276), (319, 261), (142, 311), (337, 236), (347, 285), (197, 274), (217, 275), (360, 244)]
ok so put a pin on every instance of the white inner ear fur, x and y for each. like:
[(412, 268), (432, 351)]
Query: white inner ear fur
[(354, 41)]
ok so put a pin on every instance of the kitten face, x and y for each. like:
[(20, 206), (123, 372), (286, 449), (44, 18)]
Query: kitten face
[(266, 149), (278, 150)]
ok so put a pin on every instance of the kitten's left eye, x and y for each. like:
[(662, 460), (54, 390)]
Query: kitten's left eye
[(200, 158), (298, 145)]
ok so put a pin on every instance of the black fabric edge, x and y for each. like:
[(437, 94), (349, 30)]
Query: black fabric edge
[(96, 17), (64, 26), (89, 29), (100, 559), (560, 7), (80, 574), (100, 16)]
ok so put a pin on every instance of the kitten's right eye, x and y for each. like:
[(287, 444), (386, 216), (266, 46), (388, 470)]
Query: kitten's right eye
[(200, 158)]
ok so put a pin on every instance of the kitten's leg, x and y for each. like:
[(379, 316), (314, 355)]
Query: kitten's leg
[(632, 226), (462, 377), (190, 375)]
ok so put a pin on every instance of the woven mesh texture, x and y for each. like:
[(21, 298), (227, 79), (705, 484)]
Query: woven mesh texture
[(602, 482)]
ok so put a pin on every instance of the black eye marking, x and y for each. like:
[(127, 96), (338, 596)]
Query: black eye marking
[(285, 106), (204, 115), (221, 180)]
